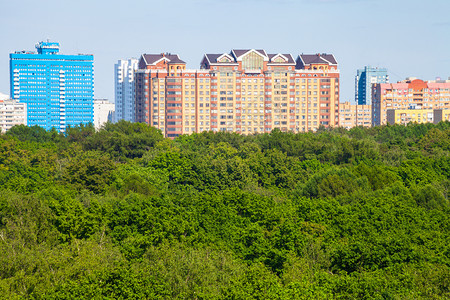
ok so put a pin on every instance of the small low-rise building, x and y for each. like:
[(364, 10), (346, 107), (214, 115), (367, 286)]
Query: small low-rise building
[(405, 116), (12, 113), (103, 112)]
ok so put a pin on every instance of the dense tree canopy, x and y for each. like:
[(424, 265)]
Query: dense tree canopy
[(123, 213)]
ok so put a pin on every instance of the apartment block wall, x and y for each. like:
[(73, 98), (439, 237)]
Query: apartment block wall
[(441, 115), (351, 115)]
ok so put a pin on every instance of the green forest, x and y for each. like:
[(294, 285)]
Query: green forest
[(124, 213)]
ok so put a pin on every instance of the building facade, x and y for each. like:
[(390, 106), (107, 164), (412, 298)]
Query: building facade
[(409, 94), (12, 113), (244, 91), (364, 80), (405, 116), (352, 115), (58, 89), (103, 112), (124, 89)]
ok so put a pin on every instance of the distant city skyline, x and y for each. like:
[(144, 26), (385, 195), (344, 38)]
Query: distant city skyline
[(409, 38)]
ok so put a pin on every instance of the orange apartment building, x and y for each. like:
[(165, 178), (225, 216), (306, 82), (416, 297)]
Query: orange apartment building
[(410, 94), (352, 115), (244, 91)]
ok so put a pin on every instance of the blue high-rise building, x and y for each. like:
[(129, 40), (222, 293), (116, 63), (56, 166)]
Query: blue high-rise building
[(58, 89), (363, 83)]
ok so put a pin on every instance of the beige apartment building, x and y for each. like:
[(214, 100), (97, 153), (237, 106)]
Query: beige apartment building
[(352, 115), (244, 91)]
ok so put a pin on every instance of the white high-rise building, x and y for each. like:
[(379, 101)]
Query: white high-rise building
[(103, 112), (124, 89)]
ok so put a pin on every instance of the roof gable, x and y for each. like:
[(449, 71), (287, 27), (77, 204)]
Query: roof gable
[(239, 54), (281, 58), (160, 60), (225, 58)]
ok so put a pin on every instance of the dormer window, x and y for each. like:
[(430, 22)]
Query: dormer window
[(252, 60), (279, 59)]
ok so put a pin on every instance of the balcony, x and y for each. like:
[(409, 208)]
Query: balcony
[(252, 71)]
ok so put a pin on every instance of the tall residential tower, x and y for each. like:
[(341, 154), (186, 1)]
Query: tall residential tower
[(363, 83), (58, 89), (245, 91), (124, 89)]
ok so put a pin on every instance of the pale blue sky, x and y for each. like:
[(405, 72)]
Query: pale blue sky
[(409, 38)]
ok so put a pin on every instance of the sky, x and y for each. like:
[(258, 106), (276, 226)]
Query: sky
[(409, 38)]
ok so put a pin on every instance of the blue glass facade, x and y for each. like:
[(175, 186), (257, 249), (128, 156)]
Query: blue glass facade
[(58, 89), (363, 83)]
